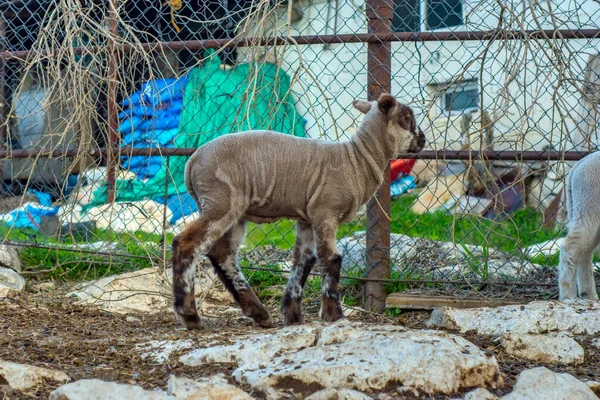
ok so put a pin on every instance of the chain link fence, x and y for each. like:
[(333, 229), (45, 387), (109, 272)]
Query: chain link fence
[(103, 102)]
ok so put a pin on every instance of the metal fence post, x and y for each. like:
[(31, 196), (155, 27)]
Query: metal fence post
[(379, 13)]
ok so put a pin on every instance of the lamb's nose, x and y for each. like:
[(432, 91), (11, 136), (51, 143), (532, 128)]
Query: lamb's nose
[(421, 140)]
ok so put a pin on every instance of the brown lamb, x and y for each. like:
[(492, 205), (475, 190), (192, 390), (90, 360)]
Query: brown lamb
[(264, 176)]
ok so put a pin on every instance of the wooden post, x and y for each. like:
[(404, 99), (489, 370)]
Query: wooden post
[(379, 13), (111, 159)]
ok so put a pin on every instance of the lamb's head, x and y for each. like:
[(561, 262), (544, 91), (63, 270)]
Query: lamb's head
[(400, 120)]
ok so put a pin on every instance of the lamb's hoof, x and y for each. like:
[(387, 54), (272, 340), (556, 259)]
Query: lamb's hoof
[(292, 313), (295, 319), (265, 322), (192, 322), (331, 310)]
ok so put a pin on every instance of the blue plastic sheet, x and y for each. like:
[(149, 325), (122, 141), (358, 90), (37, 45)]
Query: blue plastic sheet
[(401, 185), (157, 92), (151, 120), (29, 216), (44, 198), (180, 205)]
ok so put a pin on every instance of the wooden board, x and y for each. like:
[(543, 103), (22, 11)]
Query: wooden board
[(412, 302)]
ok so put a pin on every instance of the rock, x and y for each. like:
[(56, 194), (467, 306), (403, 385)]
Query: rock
[(160, 350), (576, 316), (11, 283), (24, 377), (449, 260), (146, 290), (142, 215), (541, 383), (480, 394), (338, 394), (407, 392), (95, 389), (9, 258), (355, 356), (213, 388), (547, 248), (44, 287), (549, 348), (594, 386), (255, 351)]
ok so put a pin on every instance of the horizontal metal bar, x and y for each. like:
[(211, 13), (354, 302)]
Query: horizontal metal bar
[(325, 39), (423, 155)]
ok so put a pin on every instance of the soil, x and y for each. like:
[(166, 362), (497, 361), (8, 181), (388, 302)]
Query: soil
[(48, 330)]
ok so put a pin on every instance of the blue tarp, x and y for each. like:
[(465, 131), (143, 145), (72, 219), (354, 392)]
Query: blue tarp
[(151, 119)]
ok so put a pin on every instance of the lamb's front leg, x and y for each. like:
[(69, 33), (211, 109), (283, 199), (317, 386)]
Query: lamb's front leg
[(331, 264), (304, 260)]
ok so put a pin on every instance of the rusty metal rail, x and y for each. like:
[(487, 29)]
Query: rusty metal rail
[(329, 39), (424, 155)]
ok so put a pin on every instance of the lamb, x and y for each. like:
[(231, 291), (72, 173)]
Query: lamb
[(264, 176), (580, 197)]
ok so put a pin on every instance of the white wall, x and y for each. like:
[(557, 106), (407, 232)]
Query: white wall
[(534, 98)]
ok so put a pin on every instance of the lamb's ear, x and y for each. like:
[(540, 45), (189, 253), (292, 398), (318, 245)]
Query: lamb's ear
[(362, 106), (386, 103)]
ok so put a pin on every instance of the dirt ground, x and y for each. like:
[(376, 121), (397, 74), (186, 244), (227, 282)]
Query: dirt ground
[(49, 331)]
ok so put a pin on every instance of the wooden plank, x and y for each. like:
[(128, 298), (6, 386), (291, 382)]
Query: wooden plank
[(412, 302)]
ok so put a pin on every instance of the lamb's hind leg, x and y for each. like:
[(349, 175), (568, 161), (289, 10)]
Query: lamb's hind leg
[(586, 284), (224, 256), (193, 242), (331, 264), (575, 262), (304, 260)]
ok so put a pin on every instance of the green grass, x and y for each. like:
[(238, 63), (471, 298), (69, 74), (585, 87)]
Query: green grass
[(520, 230)]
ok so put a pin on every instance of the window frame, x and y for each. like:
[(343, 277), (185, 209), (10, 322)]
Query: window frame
[(441, 90), (423, 25)]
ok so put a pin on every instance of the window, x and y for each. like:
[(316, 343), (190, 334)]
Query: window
[(459, 98), (439, 14)]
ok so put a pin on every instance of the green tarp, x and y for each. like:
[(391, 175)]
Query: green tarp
[(217, 102)]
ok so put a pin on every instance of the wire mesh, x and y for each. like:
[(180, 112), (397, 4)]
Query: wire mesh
[(82, 82)]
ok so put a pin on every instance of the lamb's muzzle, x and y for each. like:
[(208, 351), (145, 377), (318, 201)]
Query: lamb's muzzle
[(264, 176)]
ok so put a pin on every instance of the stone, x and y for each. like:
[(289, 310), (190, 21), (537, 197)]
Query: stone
[(146, 290), (9, 258), (576, 316), (547, 248), (213, 388), (548, 348), (160, 350), (11, 283), (95, 389), (255, 351), (541, 383), (338, 394), (594, 386), (358, 356), (480, 394), (44, 287), (407, 392), (142, 215), (23, 377), (450, 259)]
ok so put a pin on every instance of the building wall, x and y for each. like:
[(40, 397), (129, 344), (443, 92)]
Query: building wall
[(529, 87)]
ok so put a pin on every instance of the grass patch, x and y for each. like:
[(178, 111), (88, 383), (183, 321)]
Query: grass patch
[(519, 230)]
